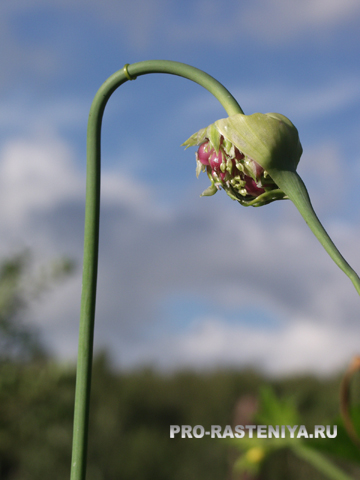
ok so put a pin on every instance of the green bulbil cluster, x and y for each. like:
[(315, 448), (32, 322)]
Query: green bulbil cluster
[(243, 154)]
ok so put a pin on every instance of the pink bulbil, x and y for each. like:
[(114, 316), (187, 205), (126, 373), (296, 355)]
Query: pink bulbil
[(204, 153), (252, 188), (212, 160), (216, 159)]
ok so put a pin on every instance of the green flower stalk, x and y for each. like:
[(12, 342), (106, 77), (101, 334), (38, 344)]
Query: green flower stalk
[(91, 233), (254, 159)]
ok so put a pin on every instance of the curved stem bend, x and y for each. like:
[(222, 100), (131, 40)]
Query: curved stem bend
[(91, 236)]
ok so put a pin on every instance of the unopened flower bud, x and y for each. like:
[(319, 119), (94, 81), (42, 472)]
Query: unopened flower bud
[(240, 152)]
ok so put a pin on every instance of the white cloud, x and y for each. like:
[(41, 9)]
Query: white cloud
[(272, 21), (213, 21), (324, 99), (300, 101), (20, 114), (35, 174), (277, 20), (301, 345), (139, 20)]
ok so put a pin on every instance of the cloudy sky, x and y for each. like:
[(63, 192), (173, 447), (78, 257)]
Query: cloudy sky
[(183, 280)]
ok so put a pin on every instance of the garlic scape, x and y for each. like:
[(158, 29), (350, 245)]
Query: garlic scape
[(254, 159)]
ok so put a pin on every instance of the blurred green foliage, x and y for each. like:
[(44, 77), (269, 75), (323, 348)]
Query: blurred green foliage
[(20, 284), (131, 413), (273, 411)]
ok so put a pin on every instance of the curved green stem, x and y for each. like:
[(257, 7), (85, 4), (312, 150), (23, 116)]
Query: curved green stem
[(290, 183), (91, 236)]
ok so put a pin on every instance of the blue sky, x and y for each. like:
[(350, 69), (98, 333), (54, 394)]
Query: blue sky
[(184, 281)]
